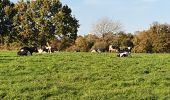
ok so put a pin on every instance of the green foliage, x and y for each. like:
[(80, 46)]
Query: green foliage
[(100, 45), (6, 14), (82, 76), (81, 44), (161, 37), (40, 21), (66, 25), (91, 40), (156, 39)]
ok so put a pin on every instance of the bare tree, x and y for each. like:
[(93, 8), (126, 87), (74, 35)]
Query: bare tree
[(106, 25)]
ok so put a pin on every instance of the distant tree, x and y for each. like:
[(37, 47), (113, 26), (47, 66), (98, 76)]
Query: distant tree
[(81, 44), (91, 40), (109, 38), (37, 22), (106, 25), (160, 37), (124, 39), (6, 14), (155, 39), (149, 46), (143, 42), (100, 45), (66, 25), (23, 23), (128, 43)]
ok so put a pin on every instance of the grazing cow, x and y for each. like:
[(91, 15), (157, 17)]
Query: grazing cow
[(113, 48), (124, 52), (27, 51)]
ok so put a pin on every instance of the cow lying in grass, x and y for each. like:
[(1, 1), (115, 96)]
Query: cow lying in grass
[(96, 51), (124, 52), (47, 49), (44, 50), (113, 48), (27, 51)]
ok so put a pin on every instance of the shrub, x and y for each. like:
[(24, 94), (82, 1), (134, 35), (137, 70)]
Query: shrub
[(100, 45)]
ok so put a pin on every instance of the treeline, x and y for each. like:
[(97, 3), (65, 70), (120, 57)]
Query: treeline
[(36, 22), (154, 40)]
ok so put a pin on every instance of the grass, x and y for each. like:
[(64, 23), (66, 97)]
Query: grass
[(84, 76)]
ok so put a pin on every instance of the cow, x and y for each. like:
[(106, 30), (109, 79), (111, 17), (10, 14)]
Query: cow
[(124, 52), (27, 51), (93, 51), (96, 51), (113, 48), (47, 49)]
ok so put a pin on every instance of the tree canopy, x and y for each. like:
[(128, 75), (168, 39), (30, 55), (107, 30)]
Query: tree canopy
[(6, 15), (37, 22)]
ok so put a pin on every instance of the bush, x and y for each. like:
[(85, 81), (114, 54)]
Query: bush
[(81, 44), (100, 45), (73, 48)]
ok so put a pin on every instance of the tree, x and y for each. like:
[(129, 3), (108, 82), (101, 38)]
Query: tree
[(91, 40), (40, 21), (100, 45), (125, 40), (160, 37), (106, 25), (23, 26), (6, 14), (143, 42), (81, 43), (155, 39), (66, 25)]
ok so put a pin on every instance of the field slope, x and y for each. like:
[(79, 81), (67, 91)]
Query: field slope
[(84, 76)]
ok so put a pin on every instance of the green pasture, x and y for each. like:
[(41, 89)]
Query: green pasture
[(84, 76)]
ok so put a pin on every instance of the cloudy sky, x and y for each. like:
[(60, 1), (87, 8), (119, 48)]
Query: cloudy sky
[(134, 15)]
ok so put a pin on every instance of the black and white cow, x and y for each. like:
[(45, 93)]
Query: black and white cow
[(47, 49), (27, 51), (124, 52), (113, 48), (44, 50)]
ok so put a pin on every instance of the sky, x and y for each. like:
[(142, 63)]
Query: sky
[(134, 15)]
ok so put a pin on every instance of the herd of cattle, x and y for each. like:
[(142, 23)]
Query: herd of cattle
[(28, 51)]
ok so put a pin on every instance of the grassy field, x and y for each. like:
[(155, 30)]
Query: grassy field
[(84, 76)]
